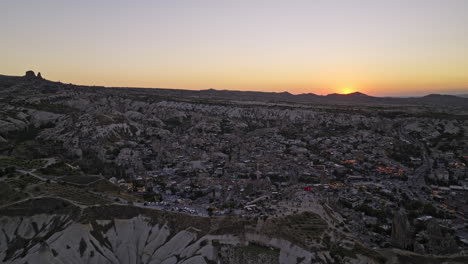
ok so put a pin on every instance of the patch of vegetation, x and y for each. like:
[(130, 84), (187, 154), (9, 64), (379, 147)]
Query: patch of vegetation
[(105, 187), (257, 249), (418, 208), (8, 194), (37, 149), (28, 133), (41, 206), (8, 172), (53, 108), (251, 253), (338, 253), (231, 225), (80, 179), (92, 164), (152, 197), (308, 180), (20, 163), (73, 193), (60, 169), (108, 119), (22, 181), (403, 152), (300, 229), (418, 259), (380, 214)]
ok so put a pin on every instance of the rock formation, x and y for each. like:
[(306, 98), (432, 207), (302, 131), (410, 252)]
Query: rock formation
[(123, 234), (30, 75), (401, 230)]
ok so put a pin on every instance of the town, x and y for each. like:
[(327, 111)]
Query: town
[(364, 172)]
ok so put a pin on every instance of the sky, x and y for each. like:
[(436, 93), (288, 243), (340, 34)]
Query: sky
[(379, 47)]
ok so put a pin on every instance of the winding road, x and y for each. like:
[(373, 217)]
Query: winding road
[(417, 181)]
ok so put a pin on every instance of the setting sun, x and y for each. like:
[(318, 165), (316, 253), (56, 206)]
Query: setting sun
[(347, 89)]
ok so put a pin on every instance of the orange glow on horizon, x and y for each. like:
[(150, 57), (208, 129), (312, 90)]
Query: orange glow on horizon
[(347, 89)]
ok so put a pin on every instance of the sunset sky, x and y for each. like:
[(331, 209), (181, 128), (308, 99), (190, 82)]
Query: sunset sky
[(392, 47)]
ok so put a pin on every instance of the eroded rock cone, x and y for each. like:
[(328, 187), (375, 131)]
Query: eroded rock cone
[(39, 76), (30, 75), (401, 231)]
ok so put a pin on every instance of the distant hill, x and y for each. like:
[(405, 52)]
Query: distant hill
[(334, 98), (350, 95), (440, 99), (232, 95)]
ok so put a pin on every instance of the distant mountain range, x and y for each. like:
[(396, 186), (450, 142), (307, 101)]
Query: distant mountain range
[(306, 98), (352, 98)]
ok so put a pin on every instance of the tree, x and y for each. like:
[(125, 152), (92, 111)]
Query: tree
[(9, 170), (429, 209), (210, 211)]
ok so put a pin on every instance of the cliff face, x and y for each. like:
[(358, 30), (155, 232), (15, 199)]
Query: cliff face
[(48, 230), (58, 239)]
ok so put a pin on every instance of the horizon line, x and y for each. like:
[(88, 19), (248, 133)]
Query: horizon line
[(464, 91)]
